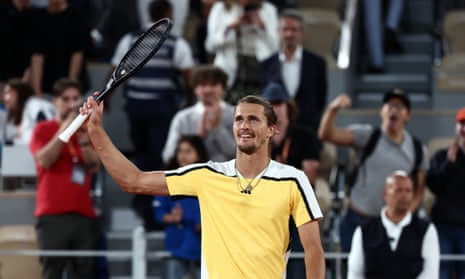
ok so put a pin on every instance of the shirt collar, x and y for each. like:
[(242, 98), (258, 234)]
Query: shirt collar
[(297, 55), (388, 223)]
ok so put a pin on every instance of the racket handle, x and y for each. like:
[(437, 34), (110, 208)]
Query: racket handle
[(73, 127)]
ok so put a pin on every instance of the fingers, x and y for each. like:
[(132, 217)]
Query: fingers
[(341, 101), (89, 106)]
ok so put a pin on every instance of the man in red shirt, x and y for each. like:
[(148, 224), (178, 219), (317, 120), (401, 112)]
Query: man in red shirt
[(66, 219)]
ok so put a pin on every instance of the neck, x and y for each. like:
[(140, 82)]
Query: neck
[(250, 165), (289, 52), (395, 135), (396, 215)]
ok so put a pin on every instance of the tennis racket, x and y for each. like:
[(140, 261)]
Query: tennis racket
[(137, 56)]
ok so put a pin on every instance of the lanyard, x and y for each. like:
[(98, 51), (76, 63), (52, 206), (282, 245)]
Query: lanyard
[(73, 152)]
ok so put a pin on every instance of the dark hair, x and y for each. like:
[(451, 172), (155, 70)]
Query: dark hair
[(24, 91), (197, 143), (267, 107), (293, 14), (292, 110), (228, 3), (208, 73), (159, 9), (64, 83)]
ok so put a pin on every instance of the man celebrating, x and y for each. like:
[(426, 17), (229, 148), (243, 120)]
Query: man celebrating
[(245, 203), (380, 151)]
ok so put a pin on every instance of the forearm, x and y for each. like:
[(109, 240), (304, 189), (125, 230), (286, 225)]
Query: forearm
[(315, 264), (90, 157), (75, 65), (37, 62), (328, 124), (48, 154), (123, 171)]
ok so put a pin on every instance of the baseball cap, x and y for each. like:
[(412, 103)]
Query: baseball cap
[(397, 93), (275, 92), (460, 115)]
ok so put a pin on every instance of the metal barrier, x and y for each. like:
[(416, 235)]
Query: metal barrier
[(139, 256)]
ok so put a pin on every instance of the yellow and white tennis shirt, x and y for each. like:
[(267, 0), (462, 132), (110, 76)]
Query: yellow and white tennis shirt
[(245, 235)]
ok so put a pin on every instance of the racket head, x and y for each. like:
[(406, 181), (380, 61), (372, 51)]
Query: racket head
[(141, 51)]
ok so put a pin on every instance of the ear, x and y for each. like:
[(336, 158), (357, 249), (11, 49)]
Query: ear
[(271, 131)]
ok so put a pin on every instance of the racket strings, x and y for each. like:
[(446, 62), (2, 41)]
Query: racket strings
[(149, 42)]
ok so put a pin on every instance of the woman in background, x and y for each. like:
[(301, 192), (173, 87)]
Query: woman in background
[(182, 217), (240, 34), (24, 110)]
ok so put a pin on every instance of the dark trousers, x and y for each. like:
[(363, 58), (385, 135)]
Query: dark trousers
[(148, 134), (349, 223), (67, 232)]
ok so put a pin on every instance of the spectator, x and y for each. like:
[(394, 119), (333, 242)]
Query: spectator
[(240, 34), (202, 8), (302, 72), (381, 35), (246, 203), (124, 16), (59, 47), (66, 219), (295, 146), (151, 100), (16, 24), (182, 217), (210, 118), (396, 244), (3, 116), (379, 152), (24, 111), (446, 179), (119, 18)]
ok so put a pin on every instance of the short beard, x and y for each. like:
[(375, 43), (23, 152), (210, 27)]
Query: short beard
[(247, 149)]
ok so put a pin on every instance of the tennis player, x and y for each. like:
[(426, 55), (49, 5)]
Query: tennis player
[(245, 203)]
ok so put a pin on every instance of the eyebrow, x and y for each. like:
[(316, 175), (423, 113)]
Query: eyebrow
[(249, 117)]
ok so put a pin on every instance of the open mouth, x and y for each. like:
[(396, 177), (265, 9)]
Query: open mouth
[(393, 118), (245, 137)]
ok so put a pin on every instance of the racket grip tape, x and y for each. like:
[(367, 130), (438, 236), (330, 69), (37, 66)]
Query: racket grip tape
[(73, 127)]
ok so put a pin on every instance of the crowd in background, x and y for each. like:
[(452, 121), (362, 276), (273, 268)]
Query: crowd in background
[(187, 93)]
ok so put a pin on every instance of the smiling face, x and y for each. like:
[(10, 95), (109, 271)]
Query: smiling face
[(251, 128), (394, 115)]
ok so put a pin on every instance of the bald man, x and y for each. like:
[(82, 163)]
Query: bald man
[(396, 244)]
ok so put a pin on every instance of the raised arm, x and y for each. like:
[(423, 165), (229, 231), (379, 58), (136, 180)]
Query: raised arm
[(123, 171), (328, 130)]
